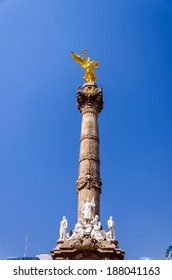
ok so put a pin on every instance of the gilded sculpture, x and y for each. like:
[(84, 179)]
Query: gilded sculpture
[(88, 64)]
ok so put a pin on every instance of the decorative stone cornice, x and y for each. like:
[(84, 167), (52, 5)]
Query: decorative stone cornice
[(89, 97)]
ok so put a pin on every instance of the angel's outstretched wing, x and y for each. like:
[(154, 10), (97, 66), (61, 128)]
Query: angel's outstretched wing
[(79, 59), (95, 64)]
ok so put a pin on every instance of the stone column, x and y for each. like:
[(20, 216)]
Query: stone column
[(90, 104)]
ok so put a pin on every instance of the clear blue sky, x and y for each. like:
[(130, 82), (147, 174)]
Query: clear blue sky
[(40, 123)]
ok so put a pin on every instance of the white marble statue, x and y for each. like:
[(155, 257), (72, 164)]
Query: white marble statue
[(63, 228), (87, 210), (111, 227), (78, 231), (96, 229)]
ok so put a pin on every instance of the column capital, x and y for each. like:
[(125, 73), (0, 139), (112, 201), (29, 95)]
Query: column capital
[(90, 97)]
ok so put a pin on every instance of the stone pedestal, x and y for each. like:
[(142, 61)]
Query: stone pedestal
[(87, 249)]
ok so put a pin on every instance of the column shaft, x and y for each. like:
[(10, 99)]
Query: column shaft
[(89, 183)]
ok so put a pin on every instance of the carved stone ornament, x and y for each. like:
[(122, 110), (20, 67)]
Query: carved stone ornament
[(87, 256), (75, 243), (88, 182), (90, 96)]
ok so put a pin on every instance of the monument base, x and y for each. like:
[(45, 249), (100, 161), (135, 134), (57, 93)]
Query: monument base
[(87, 249)]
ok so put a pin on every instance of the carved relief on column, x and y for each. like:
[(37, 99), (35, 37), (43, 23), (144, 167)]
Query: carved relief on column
[(89, 150), (92, 150), (90, 128), (91, 167), (89, 182), (89, 171)]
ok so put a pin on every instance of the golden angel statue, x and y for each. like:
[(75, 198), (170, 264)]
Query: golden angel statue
[(88, 64)]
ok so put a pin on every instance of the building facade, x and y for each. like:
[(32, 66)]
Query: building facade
[(168, 255)]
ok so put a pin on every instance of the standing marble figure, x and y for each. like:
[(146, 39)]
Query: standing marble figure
[(111, 226), (87, 210), (63, 227)]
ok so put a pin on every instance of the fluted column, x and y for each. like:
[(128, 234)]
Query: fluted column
[(90, 104)]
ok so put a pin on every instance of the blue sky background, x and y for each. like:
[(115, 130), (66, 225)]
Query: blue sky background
[(40, 123)]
